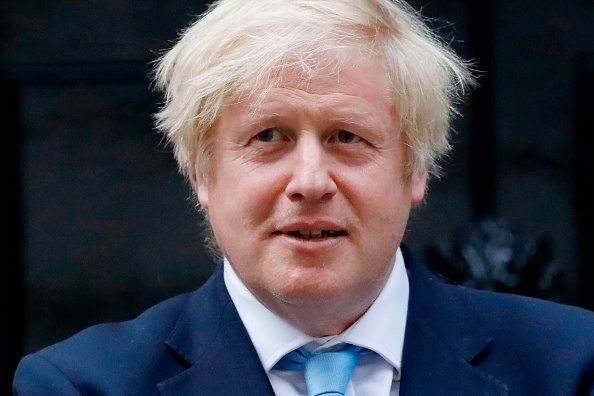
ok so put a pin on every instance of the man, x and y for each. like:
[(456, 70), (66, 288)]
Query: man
[(308, 129)]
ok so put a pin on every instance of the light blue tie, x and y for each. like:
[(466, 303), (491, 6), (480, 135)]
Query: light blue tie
[(326, 373)]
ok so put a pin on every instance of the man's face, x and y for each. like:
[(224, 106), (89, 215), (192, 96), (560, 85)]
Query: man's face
[(308, 199)]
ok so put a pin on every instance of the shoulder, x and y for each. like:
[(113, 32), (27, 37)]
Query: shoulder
[(542, 344), (526, 343), (130, 336), (528, 316), (511, 314), (534, 344), (539, 333), (513, 317), (100, 356)]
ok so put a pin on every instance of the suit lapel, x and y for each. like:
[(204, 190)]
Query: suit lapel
[(442, 341), (211, 338)]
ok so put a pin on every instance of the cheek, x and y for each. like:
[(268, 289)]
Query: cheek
[(380, 191), (246, 197), (384, 203)]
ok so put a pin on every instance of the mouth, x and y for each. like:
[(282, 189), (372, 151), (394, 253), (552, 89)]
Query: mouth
[(315, 234)]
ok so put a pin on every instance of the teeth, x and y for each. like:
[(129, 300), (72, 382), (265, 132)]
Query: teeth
[(315, 234), (311, 234)]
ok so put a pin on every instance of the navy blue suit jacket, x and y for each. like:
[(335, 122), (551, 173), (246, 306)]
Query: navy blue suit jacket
[(458, 342)]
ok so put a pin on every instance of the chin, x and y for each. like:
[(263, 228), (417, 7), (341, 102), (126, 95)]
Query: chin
[(312, 290)]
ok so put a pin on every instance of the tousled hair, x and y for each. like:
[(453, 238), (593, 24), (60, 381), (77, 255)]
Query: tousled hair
[(238, 46)]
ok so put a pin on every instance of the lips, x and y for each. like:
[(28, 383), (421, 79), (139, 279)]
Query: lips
[(312, 230)]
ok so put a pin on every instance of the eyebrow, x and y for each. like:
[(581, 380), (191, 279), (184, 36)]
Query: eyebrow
[(350, 116), (255, 118), (355, 118)]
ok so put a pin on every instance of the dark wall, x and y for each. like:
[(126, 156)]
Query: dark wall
[(533, 80), (101, 226)]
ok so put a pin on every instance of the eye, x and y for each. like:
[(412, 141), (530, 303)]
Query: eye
[(347, 137), (268, 135)]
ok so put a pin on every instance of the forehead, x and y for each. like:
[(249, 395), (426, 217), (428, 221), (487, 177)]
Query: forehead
[(353, 80), (354, 97)]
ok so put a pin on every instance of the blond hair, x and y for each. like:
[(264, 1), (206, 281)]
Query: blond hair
[(237, 45)]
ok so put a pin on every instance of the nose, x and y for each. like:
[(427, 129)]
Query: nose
[(311, 177)]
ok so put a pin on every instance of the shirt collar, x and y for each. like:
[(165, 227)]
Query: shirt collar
[(273, 337)]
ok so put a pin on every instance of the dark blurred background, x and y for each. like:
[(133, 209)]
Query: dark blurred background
[(97, 225)]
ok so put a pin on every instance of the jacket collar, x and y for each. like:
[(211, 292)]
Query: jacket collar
[(211, 339), (443, 340)]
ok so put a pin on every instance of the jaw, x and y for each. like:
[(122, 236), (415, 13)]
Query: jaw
[(319, 294)]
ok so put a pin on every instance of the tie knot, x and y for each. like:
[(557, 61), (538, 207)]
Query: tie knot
[(326, 372)]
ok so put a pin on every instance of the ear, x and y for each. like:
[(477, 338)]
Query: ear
[(418, 184), (202, 191)]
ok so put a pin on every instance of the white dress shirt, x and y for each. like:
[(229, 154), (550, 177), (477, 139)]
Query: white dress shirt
[(380, 329)]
